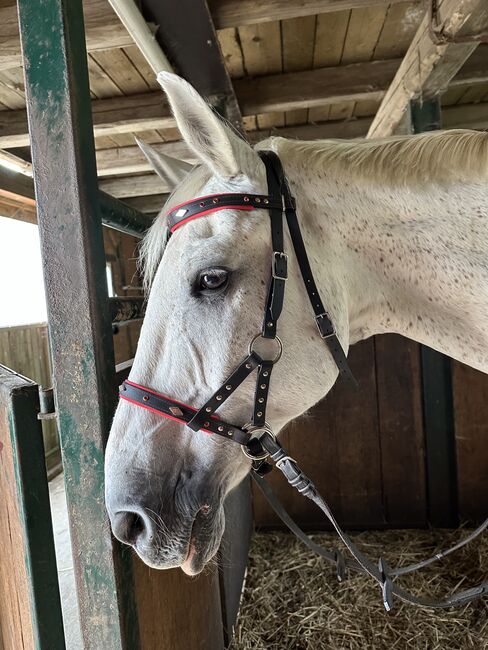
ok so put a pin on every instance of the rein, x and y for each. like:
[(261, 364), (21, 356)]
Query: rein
[(256, 438)]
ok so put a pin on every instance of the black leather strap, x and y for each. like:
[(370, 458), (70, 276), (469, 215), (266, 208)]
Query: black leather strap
[(204, 204), (175, 410), (242, 371), (322, 318), (279, 261), (261, 393)]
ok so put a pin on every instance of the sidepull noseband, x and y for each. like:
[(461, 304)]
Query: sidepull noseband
[(256, 438)]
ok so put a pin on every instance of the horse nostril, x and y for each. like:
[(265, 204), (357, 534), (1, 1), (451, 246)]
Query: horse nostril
[(127, 527)]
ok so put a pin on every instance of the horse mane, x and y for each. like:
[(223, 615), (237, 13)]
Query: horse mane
[(432, 157)]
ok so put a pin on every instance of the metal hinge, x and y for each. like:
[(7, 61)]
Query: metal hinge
[(46, 402)]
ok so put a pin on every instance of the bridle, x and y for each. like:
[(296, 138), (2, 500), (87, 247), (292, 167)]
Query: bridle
[(257, 439)]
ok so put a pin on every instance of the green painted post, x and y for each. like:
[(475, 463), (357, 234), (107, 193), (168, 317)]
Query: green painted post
[(437, 390), (61, 132)]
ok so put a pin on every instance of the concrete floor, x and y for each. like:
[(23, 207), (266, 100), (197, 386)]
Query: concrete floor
[(65, 564)]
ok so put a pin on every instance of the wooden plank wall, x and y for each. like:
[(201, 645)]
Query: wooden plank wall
[(25, 349), (470, 389), (365, 451)]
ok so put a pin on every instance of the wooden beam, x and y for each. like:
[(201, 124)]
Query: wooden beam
[(188, 38), (428, 67), (103, 31), (147, 111), (465, 116), (285, 92), (111, 116), (130, 160), (232, 13), (14, 184), (147, 192), (152, 203), (127, 186), (15, 207)]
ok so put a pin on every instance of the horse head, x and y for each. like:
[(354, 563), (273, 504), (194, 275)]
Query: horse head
[(207, 287)]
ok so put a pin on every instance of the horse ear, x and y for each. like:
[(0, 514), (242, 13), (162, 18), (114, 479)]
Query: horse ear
[(213, 141), (170, 170)]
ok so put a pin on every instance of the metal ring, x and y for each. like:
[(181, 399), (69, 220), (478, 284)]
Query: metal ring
[(252, 430), (278, 341)]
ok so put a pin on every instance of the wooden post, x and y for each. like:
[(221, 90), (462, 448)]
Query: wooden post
[(437, 390), (63, 155)]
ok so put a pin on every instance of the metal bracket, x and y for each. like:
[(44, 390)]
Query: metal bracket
[(439, 36), (46, 402)]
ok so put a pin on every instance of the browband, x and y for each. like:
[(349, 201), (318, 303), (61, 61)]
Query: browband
[(202, 205)]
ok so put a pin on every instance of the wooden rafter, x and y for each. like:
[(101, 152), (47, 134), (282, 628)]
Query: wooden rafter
[(331, 85), (428, 66), (188, 38), (233, 13), (130, 186), (284, 92), (103, 31), (111, 116)]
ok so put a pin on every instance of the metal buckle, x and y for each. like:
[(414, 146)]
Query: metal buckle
[(327, 331), (277, 257)]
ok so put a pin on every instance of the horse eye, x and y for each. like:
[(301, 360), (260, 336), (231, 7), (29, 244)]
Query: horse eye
[(213, 279)]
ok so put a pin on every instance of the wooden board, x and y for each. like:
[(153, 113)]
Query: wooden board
[(176, 612), (338, 445), (233, 554), (262, 55), (399, 384), (470, 389)]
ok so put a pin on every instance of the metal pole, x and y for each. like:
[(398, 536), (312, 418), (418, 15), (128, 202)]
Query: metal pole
[(120, 216), (437, 390), (61, 131)]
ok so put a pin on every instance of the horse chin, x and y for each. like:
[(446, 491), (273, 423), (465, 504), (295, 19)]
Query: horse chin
[(204, 542)]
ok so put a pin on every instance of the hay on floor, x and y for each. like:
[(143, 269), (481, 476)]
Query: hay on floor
[(292, 600)]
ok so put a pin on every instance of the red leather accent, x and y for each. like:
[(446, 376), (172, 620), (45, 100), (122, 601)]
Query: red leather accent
[(204, 212), (164, 415), (148, 390)]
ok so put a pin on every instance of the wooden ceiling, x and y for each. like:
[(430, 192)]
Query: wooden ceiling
[(314, 69)]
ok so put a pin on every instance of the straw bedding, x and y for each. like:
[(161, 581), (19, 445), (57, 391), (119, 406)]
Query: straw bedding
[(292, 600)]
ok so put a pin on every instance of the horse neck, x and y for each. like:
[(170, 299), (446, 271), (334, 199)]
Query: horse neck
[(407, 260)]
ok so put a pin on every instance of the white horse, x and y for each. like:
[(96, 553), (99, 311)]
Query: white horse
[(397, 235)]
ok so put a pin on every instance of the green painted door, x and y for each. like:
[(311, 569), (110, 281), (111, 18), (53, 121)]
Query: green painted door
[(30, 607)]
